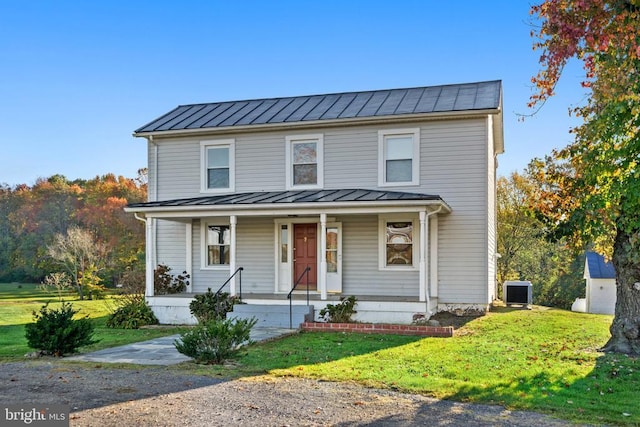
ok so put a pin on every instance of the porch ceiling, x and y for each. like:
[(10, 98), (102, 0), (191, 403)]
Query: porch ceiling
[(317, 200)]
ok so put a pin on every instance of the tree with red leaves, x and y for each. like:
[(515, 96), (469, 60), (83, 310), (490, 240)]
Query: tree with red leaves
[(590, 190)]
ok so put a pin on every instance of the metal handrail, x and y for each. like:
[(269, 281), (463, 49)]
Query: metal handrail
[(295, 285), (238, 271)]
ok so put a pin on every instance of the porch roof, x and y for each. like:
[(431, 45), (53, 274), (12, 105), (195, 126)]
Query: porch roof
[(338, 198)]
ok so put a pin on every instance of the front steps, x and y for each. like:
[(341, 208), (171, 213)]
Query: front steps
[(273, 316)]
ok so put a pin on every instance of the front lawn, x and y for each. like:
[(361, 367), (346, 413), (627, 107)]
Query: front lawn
[(543, 360), (19, 301)]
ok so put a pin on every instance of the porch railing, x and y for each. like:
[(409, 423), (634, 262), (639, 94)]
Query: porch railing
[(239, 273), (295, 285)]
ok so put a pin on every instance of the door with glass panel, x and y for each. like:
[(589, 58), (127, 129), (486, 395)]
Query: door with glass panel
[(334, 257)]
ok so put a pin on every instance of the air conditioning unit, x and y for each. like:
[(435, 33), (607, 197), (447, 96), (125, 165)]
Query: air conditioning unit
[(517, 292)]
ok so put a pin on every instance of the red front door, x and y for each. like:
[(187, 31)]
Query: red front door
[(305, 254)]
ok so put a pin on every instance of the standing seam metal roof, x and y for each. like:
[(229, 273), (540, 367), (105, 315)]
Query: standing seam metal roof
[(348, 105), (288, 197)]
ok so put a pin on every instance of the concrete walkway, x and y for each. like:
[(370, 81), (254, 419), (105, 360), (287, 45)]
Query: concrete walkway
[(161, 351)]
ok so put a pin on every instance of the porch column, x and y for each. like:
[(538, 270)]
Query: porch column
[(424, 222), (189, 253), (433, 242), (323, 256), (149, 255), (232, 253)]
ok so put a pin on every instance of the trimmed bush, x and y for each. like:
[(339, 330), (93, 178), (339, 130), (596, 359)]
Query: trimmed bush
[(135, 312), (56, 332), (341, 312), (215, 341), (209, 306)]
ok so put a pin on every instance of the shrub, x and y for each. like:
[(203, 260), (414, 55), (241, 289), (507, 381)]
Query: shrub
[(215, 341), (133, 313), (209, 306), (166, 283), (341, 312), (56, 332)]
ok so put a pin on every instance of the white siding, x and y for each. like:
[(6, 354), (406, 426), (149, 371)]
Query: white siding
[(360, 273), (456, 163), (454, 166), (256, 254), (171, 245)]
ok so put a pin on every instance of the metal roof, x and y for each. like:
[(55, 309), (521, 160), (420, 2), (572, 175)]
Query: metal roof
[(289, 197), (599, 268), (336, 106)]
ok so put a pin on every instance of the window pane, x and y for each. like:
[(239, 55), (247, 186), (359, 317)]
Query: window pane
[(218, 178), (304, 152), (399, 232), (332, 261), (284, 249), (399, 147), (332, 238), (218, 157), (219, 235), (399, 171), (400, 254), (218, 255), (305, 174)]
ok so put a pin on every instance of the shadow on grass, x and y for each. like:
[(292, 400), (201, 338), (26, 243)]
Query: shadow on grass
[(607, 394)]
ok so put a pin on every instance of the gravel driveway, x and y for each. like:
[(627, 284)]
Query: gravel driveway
[(100, 395)]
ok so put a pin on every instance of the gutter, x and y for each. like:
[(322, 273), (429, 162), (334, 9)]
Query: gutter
[(428, 299)]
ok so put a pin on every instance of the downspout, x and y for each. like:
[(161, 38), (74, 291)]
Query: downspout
[(428, 290)]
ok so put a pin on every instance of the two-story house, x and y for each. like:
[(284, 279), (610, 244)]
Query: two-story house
[(387, 195)]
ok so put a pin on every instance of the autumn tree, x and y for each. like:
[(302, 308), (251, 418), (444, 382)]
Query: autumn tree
[(593, 185), (527, 251)]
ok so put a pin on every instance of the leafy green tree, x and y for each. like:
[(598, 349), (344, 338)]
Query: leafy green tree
[(593, 184), (527, 252)]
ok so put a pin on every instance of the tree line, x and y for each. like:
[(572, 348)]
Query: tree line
[(33, 218)]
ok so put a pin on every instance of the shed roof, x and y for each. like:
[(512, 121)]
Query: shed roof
[(598, 267), (336, 106)]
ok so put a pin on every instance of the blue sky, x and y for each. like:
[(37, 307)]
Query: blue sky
[(77, 77)]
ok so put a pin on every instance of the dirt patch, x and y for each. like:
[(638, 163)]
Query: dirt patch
[(446, 318), (102, 395)]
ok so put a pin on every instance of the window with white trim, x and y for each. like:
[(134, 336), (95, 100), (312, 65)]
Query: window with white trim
[(218, 166), (217, 239), (398, 243), (399, 157), (304, 161)]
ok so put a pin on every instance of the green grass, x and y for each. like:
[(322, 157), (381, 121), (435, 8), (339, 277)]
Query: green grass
[(19, 301), (543, 360)]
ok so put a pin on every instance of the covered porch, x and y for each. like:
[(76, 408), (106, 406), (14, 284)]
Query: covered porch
[(379, 246)]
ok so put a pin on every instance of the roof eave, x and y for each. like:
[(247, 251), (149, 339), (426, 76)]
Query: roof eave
[(332, 122), (286, 208)]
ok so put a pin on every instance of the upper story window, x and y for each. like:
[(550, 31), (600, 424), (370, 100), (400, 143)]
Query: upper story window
[(218, 166), (399, 157), (305, 167)]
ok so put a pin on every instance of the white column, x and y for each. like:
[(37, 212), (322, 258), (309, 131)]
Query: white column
[(149, 256), (433, 260), (424, 221), (189, 253), (323, 256), (232, 253)]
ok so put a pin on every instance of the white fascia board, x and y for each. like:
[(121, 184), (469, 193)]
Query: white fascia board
[(292, 209)]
